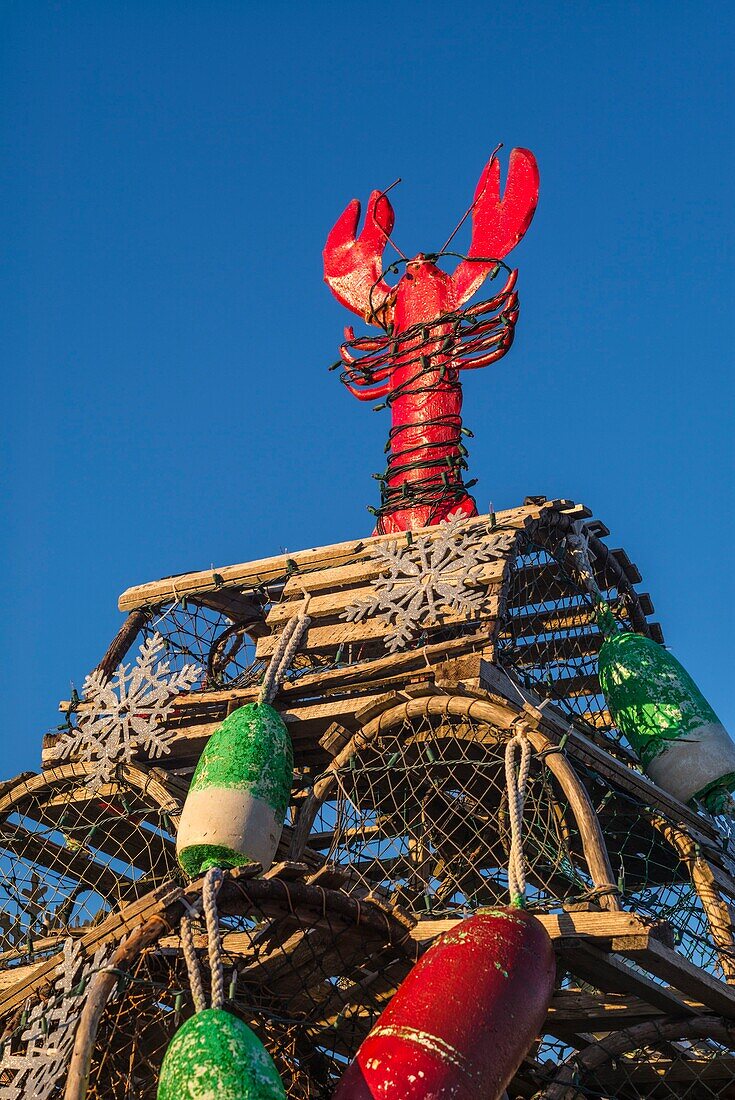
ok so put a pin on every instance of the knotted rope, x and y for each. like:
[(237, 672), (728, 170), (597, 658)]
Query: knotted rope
[(578, 549), (516, 779), (284, 654), (212, 883)]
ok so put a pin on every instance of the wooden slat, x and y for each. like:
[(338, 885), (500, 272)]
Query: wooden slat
[(112, 929), (251, 574), (337, 596), (570, 687), (331, 635), (571, 618), (548, 582), (679, 972), (596, 925), (580, 1010), (558, 650), (603, 970)]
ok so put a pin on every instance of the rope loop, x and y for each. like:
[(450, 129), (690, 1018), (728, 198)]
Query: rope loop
[(212, 882), (516, 778)]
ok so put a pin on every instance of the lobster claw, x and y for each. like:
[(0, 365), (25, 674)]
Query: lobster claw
[(353, 265), (498, 224)]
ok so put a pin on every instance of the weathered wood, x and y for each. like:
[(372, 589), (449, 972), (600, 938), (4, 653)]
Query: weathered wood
[(532, 623), (572, 923), (334, 589), (98, 994), (333, 634), (603, 970), (678, 972), (580, 1010), (650, 1033), (481, 710), (160, 901), (254, 573), (703, 877), (122, 642), (558, 650)]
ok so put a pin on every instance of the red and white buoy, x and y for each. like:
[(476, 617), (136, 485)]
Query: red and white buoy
[(464, 1018)]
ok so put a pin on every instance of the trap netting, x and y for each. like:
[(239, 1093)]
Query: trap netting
[(658, 1060), (548, 639), (70, 855), (662, 872), (192, 632), (222, 645), (309, 970), (421, 815)]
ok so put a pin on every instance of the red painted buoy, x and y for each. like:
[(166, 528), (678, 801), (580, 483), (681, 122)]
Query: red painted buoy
[(462, 1021)]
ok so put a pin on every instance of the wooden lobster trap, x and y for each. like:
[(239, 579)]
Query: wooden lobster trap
[(399, 704)]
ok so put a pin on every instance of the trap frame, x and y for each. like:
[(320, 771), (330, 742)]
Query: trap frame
[(397, 828)]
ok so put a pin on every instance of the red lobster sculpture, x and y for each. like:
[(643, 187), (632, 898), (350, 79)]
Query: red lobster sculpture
[(428, 337)]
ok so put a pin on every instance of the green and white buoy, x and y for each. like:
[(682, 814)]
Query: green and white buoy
[(215, 1056), (236, 805), (679, 739), (655, 703)]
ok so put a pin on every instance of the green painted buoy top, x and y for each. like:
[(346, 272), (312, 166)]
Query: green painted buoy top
[(251, 751), (651, 697), (237, 801), (215, 1056)]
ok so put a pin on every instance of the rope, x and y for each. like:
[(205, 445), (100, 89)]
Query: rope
[(517, 782), (279, 665), (284, 654), (212, 883), (577, 545), (192, 965)]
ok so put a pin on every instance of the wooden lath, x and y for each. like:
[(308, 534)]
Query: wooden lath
[(202, 584), (334, 590)]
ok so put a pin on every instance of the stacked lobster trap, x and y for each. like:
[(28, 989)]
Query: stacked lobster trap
[(400, 706), (295, 782)]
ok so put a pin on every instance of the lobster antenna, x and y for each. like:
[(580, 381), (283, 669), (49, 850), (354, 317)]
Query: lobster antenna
[(470, 208), (387, 236)]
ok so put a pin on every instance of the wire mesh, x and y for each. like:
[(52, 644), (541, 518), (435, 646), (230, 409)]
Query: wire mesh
[(309, 982), (681, 1068), (549, 640), (69, 856), (421, 816)]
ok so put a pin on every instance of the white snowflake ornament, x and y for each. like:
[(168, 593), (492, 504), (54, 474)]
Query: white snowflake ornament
[(430, 575), (33, 1072), (126, 714)]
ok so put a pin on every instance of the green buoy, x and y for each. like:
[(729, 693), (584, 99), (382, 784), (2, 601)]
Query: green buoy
[(215, 1056), (236, 805), (679, 739), (655, 703)]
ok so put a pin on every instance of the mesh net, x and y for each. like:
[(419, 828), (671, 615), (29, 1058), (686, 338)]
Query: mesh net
[(696, 1068), (421, 816), (549, 640), (309, 982), (69, 856)]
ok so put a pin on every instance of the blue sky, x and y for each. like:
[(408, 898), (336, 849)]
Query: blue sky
[(169, 173)]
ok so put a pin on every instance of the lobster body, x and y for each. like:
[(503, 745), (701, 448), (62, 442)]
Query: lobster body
[(419, 375), (426, 406)]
